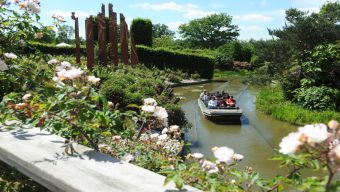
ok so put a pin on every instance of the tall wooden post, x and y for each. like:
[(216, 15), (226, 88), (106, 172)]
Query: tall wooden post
[(124, 40), (103, 9), (113, 34), (76, 23), (102, 39), (89, 43)]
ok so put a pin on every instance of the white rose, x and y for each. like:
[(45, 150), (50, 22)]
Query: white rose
[(315, 133), (290, 144)]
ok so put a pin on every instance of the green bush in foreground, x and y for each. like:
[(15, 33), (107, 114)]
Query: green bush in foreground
[(271, 101)]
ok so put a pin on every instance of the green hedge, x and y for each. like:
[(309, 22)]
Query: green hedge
[(142, 31), (52, 49), (187, 62)]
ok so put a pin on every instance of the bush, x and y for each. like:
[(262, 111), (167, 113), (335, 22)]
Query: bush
[(114, 92), (317, 98), (238, 51), (52, 49), (142, 31), (256, 61), (187, 62), (176, 115), (223, 62), (290, 82), (271, 101)]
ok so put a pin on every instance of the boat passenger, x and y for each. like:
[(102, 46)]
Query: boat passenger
[(221, 103), (231, 102), (212, 104), (203, 93), (218, 94)]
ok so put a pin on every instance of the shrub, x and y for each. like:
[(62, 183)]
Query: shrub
[(175, 60), (142, 31), (176, 115), (238, 51), (256, 61), (45, 48), (317, 97), (114, 92), (223, 62), (290, 82)]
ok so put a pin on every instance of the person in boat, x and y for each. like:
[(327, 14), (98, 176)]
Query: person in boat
[(218, 94), (204, 97), (221, 103), (212, 104), (231, 102)]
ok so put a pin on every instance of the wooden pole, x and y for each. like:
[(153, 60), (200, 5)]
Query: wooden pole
[(102, 39), (76, 23), (124, 40), (113, 35), (89, 43)]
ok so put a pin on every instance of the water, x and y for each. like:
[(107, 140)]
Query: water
[(256, 137)]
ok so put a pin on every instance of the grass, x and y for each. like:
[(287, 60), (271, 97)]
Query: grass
[(271, 101), (227, 75), (13, 180)]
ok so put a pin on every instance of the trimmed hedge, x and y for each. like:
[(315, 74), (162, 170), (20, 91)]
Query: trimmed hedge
[(52, 49), (187, 62), (142, 31)]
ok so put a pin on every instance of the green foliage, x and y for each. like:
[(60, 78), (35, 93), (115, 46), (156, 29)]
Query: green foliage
[(65, 34), (51, 49), (16, 27), (209, 32), (163, 41), (290, 82), (142, 31), (271, 101), (224, 62), (12, 180), (305, 31), (276, 53), (161, 30), (187, 62), (317, 98)]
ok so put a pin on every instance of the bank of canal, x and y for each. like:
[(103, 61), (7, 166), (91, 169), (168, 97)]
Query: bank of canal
[(255, 137)]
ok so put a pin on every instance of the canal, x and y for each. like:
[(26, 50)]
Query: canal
[(257, 136)]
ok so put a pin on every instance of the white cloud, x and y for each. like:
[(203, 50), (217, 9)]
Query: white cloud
[(215, 5), (251, 28), (192, 14), (174, 25), (254, 18), (190, 11), (67, 14)]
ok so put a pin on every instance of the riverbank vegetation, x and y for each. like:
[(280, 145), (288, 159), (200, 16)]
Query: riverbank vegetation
[(271, 101), (129, 112)]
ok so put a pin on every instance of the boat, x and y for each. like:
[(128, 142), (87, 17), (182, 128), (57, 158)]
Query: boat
[(221, 114)]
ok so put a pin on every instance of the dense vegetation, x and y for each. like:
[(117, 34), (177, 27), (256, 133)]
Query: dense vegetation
[(142, 31)]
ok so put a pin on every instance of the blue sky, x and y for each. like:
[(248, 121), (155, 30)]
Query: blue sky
[(252, 16)]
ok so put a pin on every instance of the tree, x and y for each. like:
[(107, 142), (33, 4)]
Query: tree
[(49, 35), (142, 31), (209, 32), (304, 31), (65, 34), (160, 30), (163, 41)]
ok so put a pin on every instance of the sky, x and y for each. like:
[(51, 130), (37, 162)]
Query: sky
[(253, 17)]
